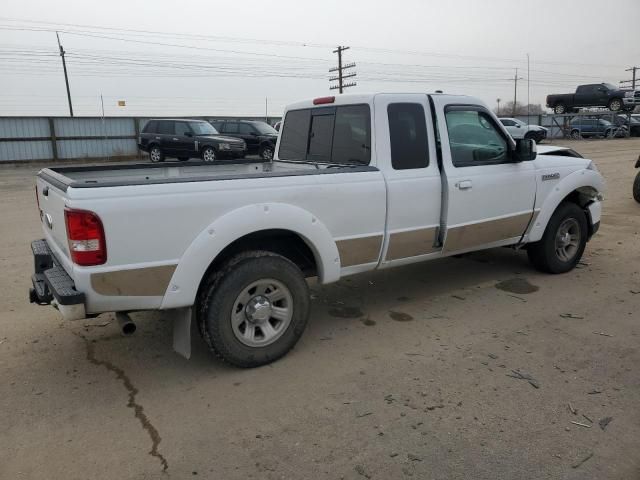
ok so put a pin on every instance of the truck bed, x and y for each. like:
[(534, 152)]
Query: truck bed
[(144, 174)]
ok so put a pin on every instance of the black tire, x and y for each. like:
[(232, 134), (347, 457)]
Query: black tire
[(544, 254), (616, 104), (575, 134), (559, 108), (636, 188), (530, 135), (266, 152), (220, 297), (608, 133), (156, 154), (209, 154)]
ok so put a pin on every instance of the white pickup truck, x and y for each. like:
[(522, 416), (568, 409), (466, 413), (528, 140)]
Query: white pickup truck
[(358, 182)]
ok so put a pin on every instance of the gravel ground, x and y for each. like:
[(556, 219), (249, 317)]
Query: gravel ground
[(475, 367)]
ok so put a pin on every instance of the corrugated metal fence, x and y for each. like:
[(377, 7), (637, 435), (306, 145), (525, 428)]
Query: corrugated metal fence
[(66, 138)]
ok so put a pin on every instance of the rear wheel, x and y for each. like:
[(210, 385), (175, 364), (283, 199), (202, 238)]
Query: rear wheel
[(560, 108), (255, 310), (563, 242), (156, 155), (615, 105), (636, 188), (575, 134), (209, 154)]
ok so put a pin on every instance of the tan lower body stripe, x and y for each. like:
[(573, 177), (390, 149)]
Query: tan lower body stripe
[(411, 243), (357, 251), (136, 282), (467, 236)]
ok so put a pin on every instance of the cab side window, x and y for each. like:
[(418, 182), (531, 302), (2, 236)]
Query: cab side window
[(408, 136), (182, 128), (474, 139), (166, 128), (230, 127), (245, 129)]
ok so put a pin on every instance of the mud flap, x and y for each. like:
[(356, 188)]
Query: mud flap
[(182, 332)]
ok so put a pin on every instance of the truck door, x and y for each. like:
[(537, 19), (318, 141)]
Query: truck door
[(406, 152), (490, 198)]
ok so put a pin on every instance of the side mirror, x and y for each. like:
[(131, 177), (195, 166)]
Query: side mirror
[(518, 125), (525, 150), (188, 134)]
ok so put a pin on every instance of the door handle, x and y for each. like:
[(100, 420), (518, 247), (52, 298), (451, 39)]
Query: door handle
[(464, 184), (174, 139)]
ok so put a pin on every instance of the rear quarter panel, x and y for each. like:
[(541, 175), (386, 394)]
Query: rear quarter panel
[(157, 225)]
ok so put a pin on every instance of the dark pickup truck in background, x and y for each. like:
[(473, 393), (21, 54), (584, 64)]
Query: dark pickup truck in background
[(594, 95)]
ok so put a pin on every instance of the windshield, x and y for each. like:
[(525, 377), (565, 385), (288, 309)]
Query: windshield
[(519, 122), (203, 128), (265, 129), (610, 87)]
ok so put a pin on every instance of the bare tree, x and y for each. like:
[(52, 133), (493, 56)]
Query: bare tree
[(507, 109)]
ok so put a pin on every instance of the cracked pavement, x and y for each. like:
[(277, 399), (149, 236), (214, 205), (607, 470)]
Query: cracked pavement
[(425, 371)]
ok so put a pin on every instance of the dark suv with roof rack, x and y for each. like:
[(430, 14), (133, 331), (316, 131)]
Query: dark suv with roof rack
[(185, 139), (260, 137)]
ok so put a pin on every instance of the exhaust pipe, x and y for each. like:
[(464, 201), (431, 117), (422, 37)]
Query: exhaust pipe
[(127, 326)]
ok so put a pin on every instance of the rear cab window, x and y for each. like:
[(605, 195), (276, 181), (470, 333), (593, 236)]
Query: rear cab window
[(408, 136), (340, 135)]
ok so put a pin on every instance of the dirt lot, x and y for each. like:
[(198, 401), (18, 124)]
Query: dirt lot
[(401, 373)]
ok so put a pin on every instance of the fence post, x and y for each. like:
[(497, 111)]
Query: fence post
[(136, 129), (54, 141)]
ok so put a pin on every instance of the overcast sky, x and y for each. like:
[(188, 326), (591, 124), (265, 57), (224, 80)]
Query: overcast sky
[(225, 58)]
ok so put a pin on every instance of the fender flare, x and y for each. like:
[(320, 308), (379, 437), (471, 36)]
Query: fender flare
[(235, 224), (570, 183)]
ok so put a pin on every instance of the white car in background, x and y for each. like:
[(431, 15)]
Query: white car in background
[(518, 129)]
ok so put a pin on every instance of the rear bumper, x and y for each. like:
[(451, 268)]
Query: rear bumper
[(52, 285)]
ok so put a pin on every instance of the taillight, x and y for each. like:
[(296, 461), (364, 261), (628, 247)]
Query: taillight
[(86, 237)]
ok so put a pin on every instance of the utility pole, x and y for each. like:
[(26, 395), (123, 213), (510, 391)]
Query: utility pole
[(66, 78), (515, 92), (498, 112), (633, 80), (341, 72)]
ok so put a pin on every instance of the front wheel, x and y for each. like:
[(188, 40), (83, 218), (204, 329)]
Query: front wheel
[(209, 154), (615, 105), (266, 152), (255, 309), (560, 109), (575, 134), (636, 188), (563, 243)]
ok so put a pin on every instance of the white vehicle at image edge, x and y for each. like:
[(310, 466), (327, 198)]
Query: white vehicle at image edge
[(518, 129), (358, 182)]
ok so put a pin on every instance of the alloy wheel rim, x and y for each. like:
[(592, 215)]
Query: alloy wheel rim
[(155, 155), (262, 312), (567, 240), (267, 154), (209, 155)]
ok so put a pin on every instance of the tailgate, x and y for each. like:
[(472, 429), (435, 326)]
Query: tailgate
[(52, 205)]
